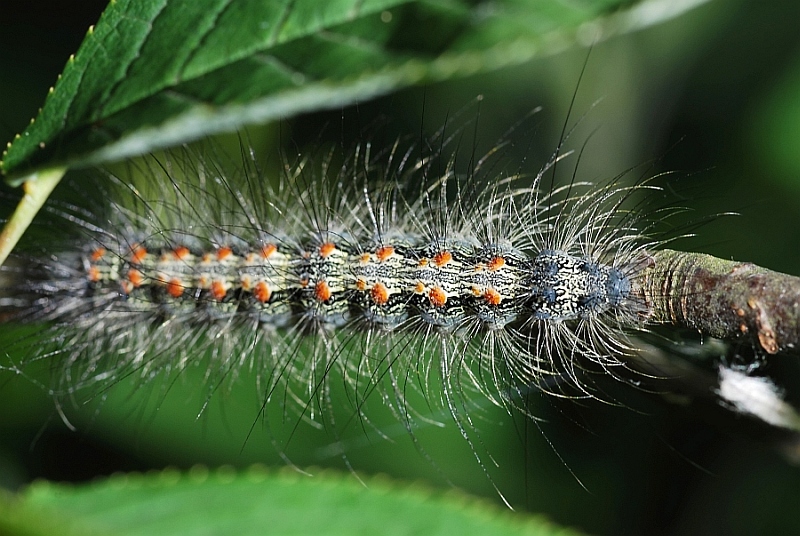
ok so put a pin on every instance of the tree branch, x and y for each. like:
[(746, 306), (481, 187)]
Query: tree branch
[(724, 299)]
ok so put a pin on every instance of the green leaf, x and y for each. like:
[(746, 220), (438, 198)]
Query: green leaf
[(255, 502), (156, 73)]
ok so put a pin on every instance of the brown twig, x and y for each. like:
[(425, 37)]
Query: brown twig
[(725, 299)]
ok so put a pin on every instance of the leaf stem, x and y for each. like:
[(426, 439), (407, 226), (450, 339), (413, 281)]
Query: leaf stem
[(37, 188)]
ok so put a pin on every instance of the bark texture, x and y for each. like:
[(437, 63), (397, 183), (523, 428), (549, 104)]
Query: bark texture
[(724, 299)]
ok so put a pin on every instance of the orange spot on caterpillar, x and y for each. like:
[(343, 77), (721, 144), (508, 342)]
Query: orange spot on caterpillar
[(326, 249), (379, 293), (181, 252), (492, 297), (204, 282), (475, 291), (135, 277), (223, 253), (218, 290), (262, 292), (384, 252), (442, 258), (364, 258), (496, 263), (437, 297), (322, 291), (94, 274), (303, 282), (97, 254), (267, 250), (138, 253), (175, 288), (419, 288), (422, 262), (206, 258), (361, 284)]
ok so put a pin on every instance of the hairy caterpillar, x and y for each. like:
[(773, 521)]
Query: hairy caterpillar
[(526, 284), (516, 279)]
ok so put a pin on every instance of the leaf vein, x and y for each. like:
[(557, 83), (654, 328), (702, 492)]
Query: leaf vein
[(282, 19)]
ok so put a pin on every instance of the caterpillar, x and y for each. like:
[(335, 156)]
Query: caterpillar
[(548, 273), (383, 272)]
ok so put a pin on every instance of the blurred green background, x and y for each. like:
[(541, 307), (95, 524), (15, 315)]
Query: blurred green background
[(713, 95)]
